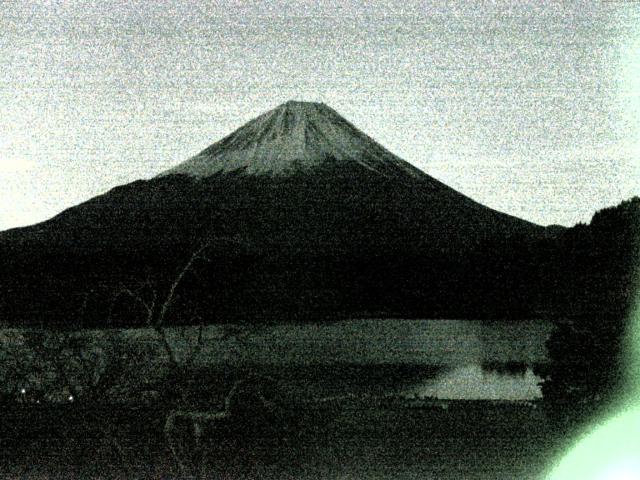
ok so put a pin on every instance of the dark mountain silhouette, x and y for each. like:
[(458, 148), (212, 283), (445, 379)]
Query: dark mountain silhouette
[(308, 217), (592, 292)]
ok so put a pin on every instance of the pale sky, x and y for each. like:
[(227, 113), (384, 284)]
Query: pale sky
[(533, 110)]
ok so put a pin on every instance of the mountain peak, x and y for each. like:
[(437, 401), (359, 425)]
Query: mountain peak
[(301, 105), (294, 136)]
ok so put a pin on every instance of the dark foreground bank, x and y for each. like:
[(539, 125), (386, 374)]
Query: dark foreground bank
[(345, 438)]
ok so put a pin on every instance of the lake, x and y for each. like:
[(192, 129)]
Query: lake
[(448, 359), (474, 359)]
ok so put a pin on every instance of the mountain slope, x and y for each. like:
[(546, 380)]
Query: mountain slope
[(309, 216)]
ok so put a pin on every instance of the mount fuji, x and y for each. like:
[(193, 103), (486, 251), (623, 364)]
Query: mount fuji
[(306, 214)]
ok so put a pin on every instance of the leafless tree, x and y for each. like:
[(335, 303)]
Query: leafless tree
[(158, 309), (247, 395)]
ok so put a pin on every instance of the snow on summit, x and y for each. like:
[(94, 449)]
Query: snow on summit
[(292, 137)]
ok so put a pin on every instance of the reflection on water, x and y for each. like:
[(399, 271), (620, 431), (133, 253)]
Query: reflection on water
[(472, 382), (418, 342), (463, 382)]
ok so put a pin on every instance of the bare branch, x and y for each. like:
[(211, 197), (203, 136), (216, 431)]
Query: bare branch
[(138, 299), (200, 332), (152, 307), (195, 350), (124, 290), (173, 359), (83, 308), (171, 296)]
